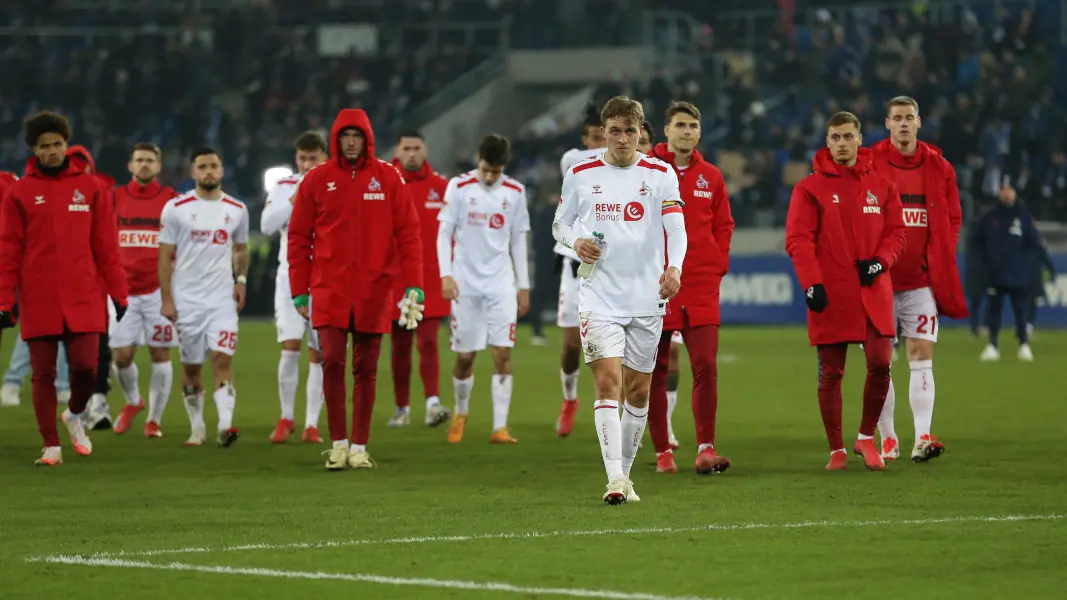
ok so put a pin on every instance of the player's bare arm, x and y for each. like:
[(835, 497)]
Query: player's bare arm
[(240, 268), (445, 231), (166, 272)]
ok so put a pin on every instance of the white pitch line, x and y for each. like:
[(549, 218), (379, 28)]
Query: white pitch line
[(363, 578), (562, 533)]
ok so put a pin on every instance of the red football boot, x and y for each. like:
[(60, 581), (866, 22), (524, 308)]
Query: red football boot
[(838, 461), (665, 462), (708, 461), (285, 428), (565, 424), (872, 458)]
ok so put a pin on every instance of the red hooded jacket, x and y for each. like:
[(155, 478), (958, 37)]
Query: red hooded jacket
[(427, 190), (349, 225), (81, 155), (59, 254), (709, 227), (944, 218), (839, 215)]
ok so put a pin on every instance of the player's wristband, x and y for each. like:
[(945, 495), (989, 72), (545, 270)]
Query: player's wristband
[(420, 297), (242, 279), (301, 301)]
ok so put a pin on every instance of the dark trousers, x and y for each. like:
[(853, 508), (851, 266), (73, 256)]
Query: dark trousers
[(103, 366), (1019, 307), (976, 300)]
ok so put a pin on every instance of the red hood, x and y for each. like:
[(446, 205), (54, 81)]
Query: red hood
[(347, 118), (824, 162), (422, 174), (661, 152), (80, 154), (885, 149)]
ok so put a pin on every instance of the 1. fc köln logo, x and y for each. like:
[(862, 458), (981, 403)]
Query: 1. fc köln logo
[(633, 212)]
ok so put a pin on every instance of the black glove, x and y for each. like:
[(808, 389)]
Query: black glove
[(816, 298), (575, 264), (8, 318), (120, 310), (869, 270)]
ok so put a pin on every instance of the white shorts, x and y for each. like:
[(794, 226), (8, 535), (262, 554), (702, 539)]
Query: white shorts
[(290, 325), (567, 313), (917, 313), (480, 321), (142, 325), (676, 338), (203, 330), (633, 339)]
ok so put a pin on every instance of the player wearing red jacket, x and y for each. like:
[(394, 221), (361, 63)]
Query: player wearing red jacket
[(138, 207), (6, 179), (352, 218), (926, 280), (59, 254), (427, 190), (844, 230), (695, 310)]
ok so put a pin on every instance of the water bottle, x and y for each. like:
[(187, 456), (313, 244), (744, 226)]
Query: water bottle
[(585, 270)]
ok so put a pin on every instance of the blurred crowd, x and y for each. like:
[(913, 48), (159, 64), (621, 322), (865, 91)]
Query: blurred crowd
[(244, 75)]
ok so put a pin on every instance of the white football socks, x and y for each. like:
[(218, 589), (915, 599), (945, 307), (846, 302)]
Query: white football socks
[(570, 384), (633, 428), (672, 401), (127, 377), (502, 385), (462, 388), (288, 380), (225, 401), (921, 396), (159, 390), (314, 396), (609, 432), (194, 407), (886, 428)]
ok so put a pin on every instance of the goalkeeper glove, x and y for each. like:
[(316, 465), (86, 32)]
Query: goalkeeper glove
[(411, 307), (301, 300)]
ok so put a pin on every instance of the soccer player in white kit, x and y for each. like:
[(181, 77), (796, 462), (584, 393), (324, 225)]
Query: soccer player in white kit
[(567, 313), (485, 215), (311, 150), (203, 241), (631, 200)]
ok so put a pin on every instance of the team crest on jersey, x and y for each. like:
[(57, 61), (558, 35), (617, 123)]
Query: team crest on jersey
[(78, 198), (433, 200), (701, 182), (645, 190), (227, 220), (871, 198), (872, 207), (504, 204), (374, 186)]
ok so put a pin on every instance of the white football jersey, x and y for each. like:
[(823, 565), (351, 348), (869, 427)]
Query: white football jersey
[(570, 158), (203, 233), (276, 214), (625, 205), (485, 220)]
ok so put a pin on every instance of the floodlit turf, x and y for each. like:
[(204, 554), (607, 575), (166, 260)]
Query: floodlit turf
[(478, 521)]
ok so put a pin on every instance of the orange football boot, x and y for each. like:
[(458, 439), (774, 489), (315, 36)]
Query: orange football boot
[(502, 436), (872, 458), (125, 420), (455, 428)]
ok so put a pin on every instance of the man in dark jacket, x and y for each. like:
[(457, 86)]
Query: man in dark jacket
[(1005, 239)]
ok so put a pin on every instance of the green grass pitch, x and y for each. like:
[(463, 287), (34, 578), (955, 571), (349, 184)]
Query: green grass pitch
[(145, 518)]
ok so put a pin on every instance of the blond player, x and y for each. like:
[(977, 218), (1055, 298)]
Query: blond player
[(310, 150), (485, 276), (627, 202), (203, 242)]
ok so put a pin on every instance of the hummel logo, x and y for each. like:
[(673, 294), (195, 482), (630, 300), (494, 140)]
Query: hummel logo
[(331, 186), (39, 200)]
